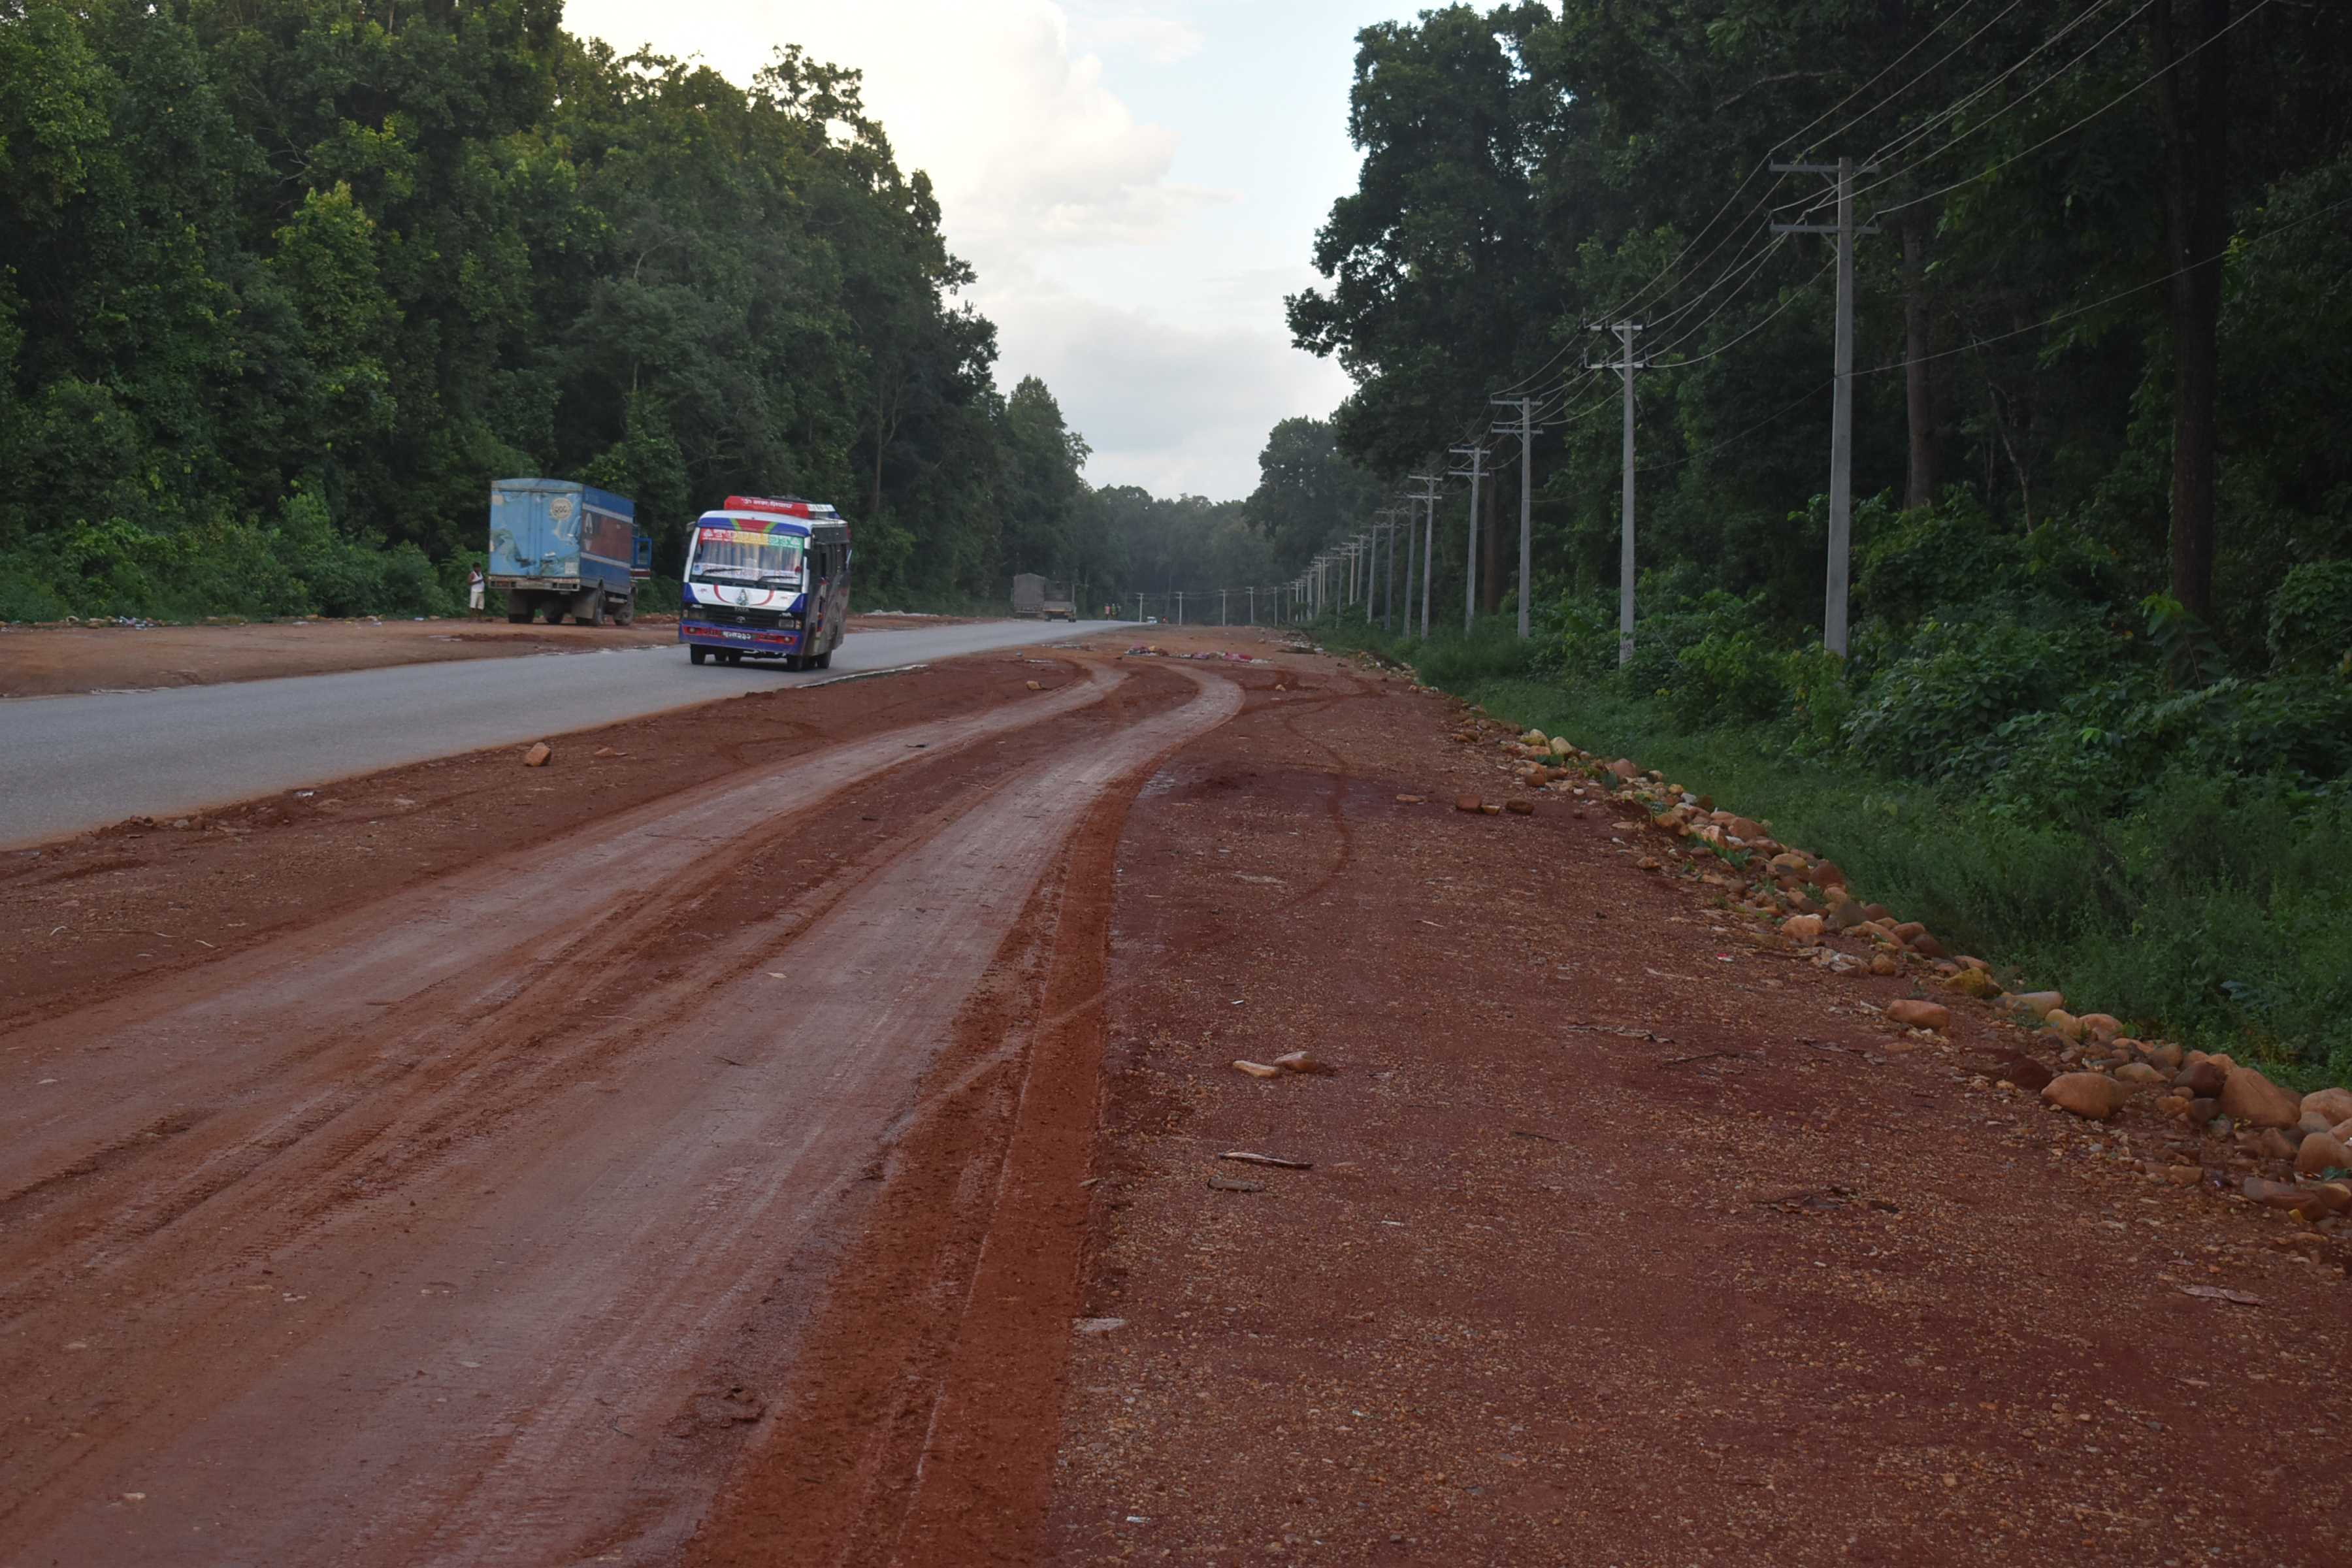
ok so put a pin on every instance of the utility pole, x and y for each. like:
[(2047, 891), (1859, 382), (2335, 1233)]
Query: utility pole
[(1474, 473), (1220, 604), (1833, 608), (1388, 617), (1526, 431), (1180, 606), (1407, 523), (1625, 365), (1139, 609), (1252, 606), (1428, 499)]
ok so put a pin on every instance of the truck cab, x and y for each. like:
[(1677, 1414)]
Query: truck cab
[(766, 578)]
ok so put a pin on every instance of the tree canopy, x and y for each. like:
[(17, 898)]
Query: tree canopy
[(288, 283), (2104, 290)]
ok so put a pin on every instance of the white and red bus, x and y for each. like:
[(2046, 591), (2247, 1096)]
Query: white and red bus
[(766, 579)]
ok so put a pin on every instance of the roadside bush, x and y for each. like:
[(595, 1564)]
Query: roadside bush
[(1957, 683), (2310, 619), (1727, 676)]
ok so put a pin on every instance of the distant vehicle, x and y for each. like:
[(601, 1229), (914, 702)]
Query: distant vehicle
[(766, 579), (1034, 596), (558, 548)]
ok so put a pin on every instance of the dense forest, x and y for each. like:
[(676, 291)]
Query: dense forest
[(288, 283), (2098, 708)]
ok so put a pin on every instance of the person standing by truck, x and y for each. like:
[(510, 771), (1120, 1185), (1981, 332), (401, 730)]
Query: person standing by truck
[(474, 590)]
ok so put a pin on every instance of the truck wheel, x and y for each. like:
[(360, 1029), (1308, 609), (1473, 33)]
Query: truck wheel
[(596, 616), (554, 608), (731, 656), (519, 617), (824, 660), (627, 613), (697, 655)]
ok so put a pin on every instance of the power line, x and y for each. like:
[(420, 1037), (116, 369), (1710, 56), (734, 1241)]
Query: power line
[(1917, 133), (1643, 291), (2024, 98), (2069, 314), (1794, 295), (2127, 93)]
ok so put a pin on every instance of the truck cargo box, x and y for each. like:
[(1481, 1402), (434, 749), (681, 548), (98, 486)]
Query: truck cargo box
[(560, 536)]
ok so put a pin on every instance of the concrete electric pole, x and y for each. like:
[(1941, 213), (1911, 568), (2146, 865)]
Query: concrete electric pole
[(1526, 431), (1428, 499), (1834, 607), (1474, 473), (1625, 364)]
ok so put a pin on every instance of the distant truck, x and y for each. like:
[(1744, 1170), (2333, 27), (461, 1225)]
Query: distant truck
[(766, 578), (558, 548), (1034, 596)]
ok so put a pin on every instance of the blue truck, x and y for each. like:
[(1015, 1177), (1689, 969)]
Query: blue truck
[(558, 548)]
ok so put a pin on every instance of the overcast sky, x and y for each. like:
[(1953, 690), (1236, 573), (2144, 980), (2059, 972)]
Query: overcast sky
[(1137, 183)]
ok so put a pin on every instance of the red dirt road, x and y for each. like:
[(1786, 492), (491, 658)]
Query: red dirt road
[(1630, 1238), (449, 1228), (722, 1176)]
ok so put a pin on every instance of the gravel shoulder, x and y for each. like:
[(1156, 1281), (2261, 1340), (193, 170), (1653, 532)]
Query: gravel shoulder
[(56, 660), (1631, 1237)]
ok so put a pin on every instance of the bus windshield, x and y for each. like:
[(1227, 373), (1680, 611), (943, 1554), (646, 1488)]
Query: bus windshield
[(728, 555)]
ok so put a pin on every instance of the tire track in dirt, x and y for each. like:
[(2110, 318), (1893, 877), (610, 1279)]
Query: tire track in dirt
[(601, 1435)]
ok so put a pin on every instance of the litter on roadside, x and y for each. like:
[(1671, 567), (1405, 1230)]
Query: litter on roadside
[(1243, 1156)]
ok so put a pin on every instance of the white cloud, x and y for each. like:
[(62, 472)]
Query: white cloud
[(1161, 39), (1176, 409), (1135, 182)]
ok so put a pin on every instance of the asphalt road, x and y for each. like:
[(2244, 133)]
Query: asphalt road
[(71, 764)]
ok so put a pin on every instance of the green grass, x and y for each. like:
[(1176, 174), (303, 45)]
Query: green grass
[(2218, 912)]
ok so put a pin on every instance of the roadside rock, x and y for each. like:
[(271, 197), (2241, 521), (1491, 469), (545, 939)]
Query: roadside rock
[(540, 754), (2102, 1026), (2139, 1072), (2090, 1094), (1827, 874), (2321, 1152), (1802, 928), (1915, 1015), (2250, 1097), (1469, 803), (1885, 963), (1974, 983), (1520, 807), (2039, 1004), (2336, 1104), (2029, 1075), (1257, 1069), (1303, 1061), (2065, 1022), (2204, 1080), (2310, 1202)]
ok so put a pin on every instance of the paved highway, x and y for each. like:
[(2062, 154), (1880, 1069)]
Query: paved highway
[(69, 763)]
